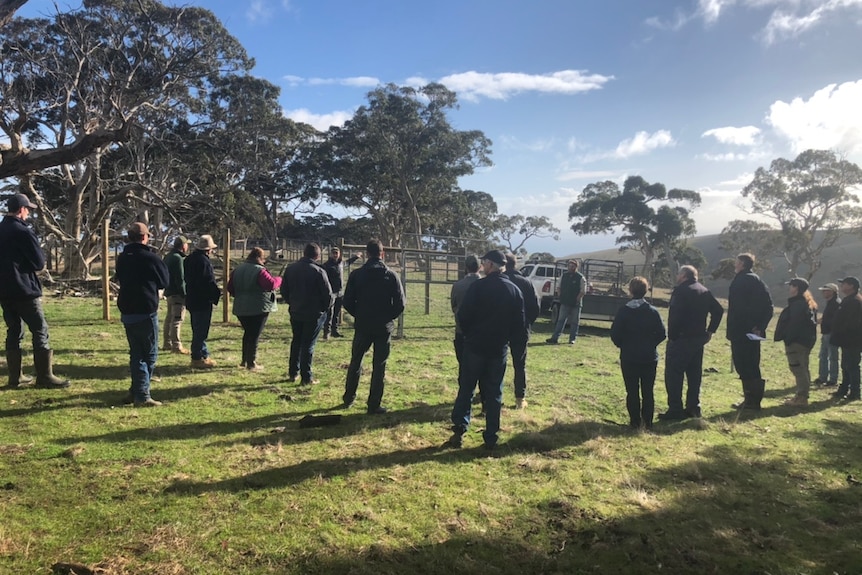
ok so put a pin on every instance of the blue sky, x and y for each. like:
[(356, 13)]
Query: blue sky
[(696, 94)]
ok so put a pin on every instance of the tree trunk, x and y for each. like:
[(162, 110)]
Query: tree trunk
[(7, 10)]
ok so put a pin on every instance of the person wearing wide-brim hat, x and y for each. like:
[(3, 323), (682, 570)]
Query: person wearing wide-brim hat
[(797, 328), (21, 296), (202, 293), (847, 334), (827, 373)]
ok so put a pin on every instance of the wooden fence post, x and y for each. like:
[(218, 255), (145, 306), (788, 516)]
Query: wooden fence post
[(106, 272), (226, 268)]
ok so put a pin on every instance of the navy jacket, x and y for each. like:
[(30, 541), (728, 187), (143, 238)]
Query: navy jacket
[(847, 327), (374, 297), (828, 317), (528, 291), (20, 259), (797, 323), (141, 273), (637, 331), (749, 305), (690, 304), (306, 289), (335, 272), (492, 315), (202, 292)]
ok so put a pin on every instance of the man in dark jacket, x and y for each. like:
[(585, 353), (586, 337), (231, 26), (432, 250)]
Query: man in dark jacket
[(572, 289), (175, 294), (308, 294), (749, 311), (375, 298), (141, 273), (21, 296), (687, 332), (491, 317), (847, 334), (334, 267), (827, 373), (456, 298), (519, 347), (202, 293)]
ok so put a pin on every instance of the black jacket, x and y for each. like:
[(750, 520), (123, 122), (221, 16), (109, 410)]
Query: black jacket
[(335, 272), (749, 305), (20, 259), (847, 327), (492, 315), (828, 316), (306, 290), (797, 323), (374, 297), (202, 292), (528, 291), (690, 304), (637, 331), (141, 273)]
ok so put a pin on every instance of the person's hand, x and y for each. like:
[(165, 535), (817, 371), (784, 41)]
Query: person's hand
[(756, 332), (708, 337)]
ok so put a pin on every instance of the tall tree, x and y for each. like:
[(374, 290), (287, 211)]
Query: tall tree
[(740, 236), (810, 201), (515, 231), (640, 212), (399, 159), (75, 86), (7, 10)]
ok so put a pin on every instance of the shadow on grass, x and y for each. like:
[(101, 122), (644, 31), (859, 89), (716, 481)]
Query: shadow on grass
[(732, 511), (551, 439)]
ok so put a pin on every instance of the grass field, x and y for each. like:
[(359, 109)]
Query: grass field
[(222, 479)]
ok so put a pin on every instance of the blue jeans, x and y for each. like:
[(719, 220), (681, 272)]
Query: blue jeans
[(16, 313), (362, 342), (305, 332), (572, 313), (488, 372), (829, 364), (201, 320), (143, 339)]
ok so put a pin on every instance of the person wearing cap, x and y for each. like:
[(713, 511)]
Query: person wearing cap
[(519, 346), (571, 297), (21, 296), (749, 311), (847, 334), (175, 294), (491, 317), (828, 357), (306, 289), (375, 299), (637, 330), (797, 328), (253, 289), (456, 298), (334, 267), (141, 273), (691, 303), (202, 293)]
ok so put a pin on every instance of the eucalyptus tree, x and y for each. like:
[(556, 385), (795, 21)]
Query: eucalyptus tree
[(79, 85), (398, 159), (515, 231), (8, 8), (809, 203), (648, 217)]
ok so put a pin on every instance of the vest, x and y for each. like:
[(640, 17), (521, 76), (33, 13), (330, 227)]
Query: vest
[(250, 299)]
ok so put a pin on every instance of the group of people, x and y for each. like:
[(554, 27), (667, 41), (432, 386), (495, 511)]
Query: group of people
[(694, 316), (493, 313)]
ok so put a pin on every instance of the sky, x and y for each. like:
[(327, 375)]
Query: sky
[(696, 94)]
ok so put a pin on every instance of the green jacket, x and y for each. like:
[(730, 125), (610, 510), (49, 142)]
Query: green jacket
[(177, 282), (249, 297)]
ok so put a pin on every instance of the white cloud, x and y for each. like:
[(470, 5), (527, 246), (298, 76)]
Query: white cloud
[(644, 142), (744, 136), (739, 181), (354, 81), (320, 122), (258, 10), (537, 145), (592, 175), (473, 85), (789, 24), (830, 119)]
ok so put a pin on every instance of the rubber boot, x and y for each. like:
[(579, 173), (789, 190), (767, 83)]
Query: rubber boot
[(758, 388), (16, 374), (44, 361)]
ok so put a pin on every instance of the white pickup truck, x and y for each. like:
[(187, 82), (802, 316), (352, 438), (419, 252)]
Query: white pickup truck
[(604, 287), (544, 277)]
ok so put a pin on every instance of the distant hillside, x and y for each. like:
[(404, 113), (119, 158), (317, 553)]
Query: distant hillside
[(843, 259)]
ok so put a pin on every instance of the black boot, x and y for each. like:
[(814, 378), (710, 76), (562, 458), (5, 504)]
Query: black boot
[(44, 361), (17, 378)]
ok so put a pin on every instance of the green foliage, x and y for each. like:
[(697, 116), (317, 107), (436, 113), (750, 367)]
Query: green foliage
[(223, 480), (515, 231)]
